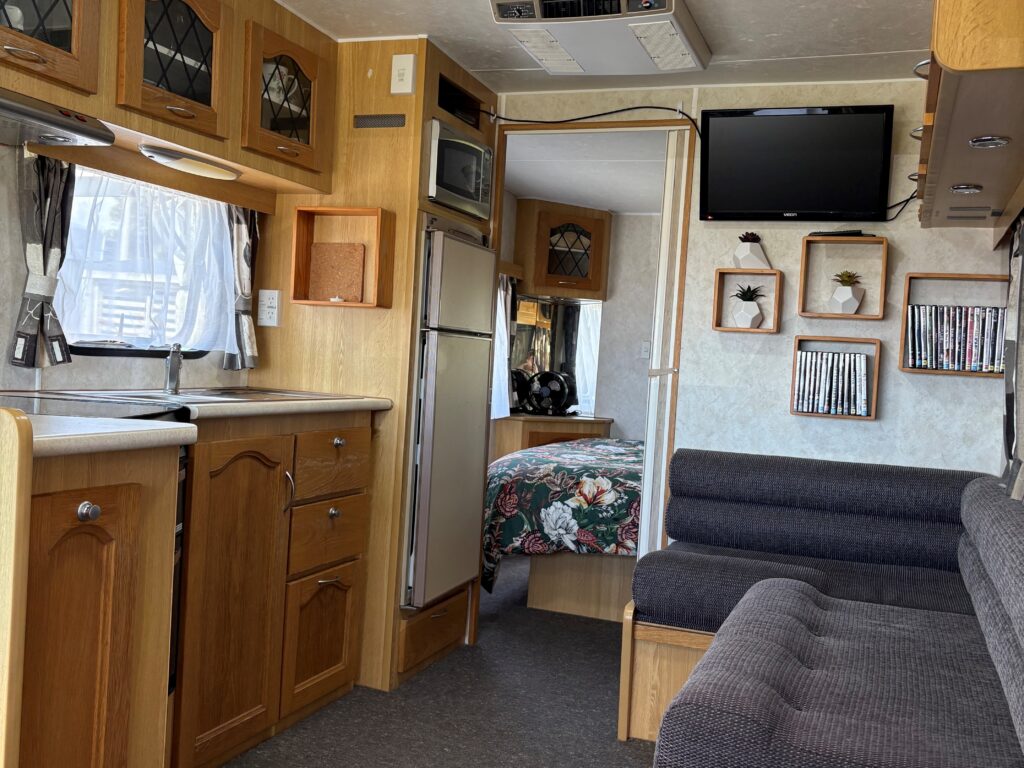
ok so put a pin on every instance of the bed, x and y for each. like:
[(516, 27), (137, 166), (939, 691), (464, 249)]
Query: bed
[(579, 497)]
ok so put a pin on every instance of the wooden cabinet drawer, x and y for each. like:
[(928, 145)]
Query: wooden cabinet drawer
[(333, 461), (432, 630), (323, 614), (328, 532)]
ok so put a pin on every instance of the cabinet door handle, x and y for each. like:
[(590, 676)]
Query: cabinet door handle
[(325, 582), (177, 111), (567, 282), (333, 513), (288, 151), (89, 512), (291, 490), (25, 54), (340, 442), (439, 614)]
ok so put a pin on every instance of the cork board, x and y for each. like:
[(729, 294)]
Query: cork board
[(336, 270)]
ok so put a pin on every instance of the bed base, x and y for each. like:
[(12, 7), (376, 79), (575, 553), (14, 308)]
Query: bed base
[(656, 662), (596, 586)]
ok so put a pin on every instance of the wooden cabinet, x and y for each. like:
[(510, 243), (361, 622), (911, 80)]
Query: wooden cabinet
[(281, 112), (328, 532), (83, 573), (235, 565), (55, 40), (321, 634), (514, 433), (431, 631), (173, 61), (563, 249), (332, 461)]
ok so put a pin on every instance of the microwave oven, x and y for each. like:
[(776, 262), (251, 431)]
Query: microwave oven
[(460, 171)]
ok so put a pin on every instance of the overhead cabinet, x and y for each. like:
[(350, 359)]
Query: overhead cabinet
[(54, 39)]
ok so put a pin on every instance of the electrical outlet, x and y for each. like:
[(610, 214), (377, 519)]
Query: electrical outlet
[(645, 350), (403, 73), (266, 313)]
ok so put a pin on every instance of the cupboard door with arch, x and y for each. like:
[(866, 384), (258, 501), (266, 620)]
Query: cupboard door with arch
[(55, 39), (173, 61), (323, 614), (236, 550), (82, 576), (570, 250), (282, 114)]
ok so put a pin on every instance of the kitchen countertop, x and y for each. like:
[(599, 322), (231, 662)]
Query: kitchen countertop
[(243, 408), (66, 435)]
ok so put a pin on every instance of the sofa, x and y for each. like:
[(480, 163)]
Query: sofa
[(800, 678)]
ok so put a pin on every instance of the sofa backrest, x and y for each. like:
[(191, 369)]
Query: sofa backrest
[(871, 513), (992, 563)]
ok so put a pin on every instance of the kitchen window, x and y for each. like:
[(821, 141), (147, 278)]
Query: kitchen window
[(146, 267)]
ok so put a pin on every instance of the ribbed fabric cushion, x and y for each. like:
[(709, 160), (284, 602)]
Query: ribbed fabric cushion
[(992, 561), (837, 510), (695, 586), (796, 679)]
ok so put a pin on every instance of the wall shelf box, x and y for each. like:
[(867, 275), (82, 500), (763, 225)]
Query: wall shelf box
[(908, 284), (765, 277), (846, 253), (829, 344), (372, 228)]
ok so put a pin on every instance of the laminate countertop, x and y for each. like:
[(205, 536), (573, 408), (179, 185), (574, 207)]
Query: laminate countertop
[(67, 435)]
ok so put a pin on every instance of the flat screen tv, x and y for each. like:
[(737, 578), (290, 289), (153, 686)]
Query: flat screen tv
[(810, 163)]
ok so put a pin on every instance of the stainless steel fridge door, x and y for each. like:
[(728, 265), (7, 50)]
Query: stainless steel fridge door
[(461, 285), (451, 474)]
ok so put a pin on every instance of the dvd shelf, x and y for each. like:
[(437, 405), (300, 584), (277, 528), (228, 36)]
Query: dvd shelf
[(835, 377)]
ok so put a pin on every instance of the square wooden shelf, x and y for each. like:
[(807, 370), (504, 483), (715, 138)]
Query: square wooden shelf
[(819, 281), (951, 276), (874, 362), (373, 228), (763, 277)]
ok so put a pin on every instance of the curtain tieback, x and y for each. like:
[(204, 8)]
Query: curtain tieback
[(41, 285), (243, 304)]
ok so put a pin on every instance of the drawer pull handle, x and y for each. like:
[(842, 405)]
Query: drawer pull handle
[(333, 513), (288, 151), (340, 442), (325, 582), (291, 491), (440, 614), (89, 512), (25, 54), (177, 111)]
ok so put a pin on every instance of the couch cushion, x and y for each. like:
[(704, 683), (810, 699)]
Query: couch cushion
[(696, 586), (798, 679), (870, 513)]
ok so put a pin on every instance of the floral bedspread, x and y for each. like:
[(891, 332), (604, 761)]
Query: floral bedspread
[(582, 496)]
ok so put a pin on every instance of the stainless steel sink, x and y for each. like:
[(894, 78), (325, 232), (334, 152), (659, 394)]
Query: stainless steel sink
[(214, 395)]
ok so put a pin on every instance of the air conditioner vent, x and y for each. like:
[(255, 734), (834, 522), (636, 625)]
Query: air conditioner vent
[(579, 9)]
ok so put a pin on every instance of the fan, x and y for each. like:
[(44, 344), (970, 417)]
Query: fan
[(551, 393), (520, 389)]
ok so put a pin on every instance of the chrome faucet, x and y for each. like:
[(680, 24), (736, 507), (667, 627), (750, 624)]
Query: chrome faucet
[(172, 370)]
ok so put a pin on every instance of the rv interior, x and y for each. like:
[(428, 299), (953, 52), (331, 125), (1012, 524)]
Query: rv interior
[(511, 383)]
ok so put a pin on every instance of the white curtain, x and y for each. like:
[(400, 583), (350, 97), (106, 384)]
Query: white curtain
[(500, 382), (147, 266), (588, 346)]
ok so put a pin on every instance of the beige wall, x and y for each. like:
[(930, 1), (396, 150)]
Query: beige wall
[(734, 391)]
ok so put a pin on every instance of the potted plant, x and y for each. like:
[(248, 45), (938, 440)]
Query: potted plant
[(749, 254), (746, 313), (848, 295)]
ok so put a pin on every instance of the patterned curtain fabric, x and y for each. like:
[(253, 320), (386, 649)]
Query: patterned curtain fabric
[(45, 188), (245, 238)]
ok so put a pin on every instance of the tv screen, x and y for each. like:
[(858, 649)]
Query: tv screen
[(812, 163)]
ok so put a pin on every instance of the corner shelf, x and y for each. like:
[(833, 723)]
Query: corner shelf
[(808, 244), (374, 228), (951, 276), (717, 319), (872, 377)]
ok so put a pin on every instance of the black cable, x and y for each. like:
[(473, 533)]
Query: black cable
[(902, 204), (674, 110)]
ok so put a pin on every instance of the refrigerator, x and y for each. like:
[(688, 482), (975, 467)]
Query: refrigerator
[(452, 415)]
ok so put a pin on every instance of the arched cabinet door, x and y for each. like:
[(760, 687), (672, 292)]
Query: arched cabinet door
[(572, 250), (172, 62), (282, 113), (55, 39)]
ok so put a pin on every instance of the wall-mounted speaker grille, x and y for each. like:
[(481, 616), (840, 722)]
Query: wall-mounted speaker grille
[(380, 121)]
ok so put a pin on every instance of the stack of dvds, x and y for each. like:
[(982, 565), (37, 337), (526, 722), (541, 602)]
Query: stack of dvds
[(951, 338), (834, 383)]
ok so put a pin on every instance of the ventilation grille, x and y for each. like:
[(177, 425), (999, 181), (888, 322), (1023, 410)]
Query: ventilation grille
[(578, 9), (380, 121)]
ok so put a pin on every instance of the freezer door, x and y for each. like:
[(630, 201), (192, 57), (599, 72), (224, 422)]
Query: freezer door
[(452, 467), (461, 285)]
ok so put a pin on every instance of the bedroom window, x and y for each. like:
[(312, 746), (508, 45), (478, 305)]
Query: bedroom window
[(146, 267)]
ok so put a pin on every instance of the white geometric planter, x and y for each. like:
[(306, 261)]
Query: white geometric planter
[(846, 300), (746, 314), (750, 256)]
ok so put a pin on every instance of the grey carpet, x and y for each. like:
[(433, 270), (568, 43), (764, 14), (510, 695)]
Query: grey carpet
[(540, 689)]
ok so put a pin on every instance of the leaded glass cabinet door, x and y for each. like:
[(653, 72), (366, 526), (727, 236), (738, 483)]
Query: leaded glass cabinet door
[(55, 39), (281, 99), (172, 62), (571, 251)]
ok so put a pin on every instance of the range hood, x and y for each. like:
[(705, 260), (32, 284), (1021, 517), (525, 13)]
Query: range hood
[(24, 119)]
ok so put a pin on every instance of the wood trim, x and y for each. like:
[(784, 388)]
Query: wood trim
[(511, 269), (978, 34), (592, 585), (684, 638), (873, 410), (719, 301), (959, 276), (804, 258), (77, 68), (626, 671)]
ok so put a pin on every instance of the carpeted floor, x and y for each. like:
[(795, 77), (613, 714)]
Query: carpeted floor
[(540, 689)]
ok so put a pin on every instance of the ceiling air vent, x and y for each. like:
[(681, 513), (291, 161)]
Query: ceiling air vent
[(540, 44), (579, 9)]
